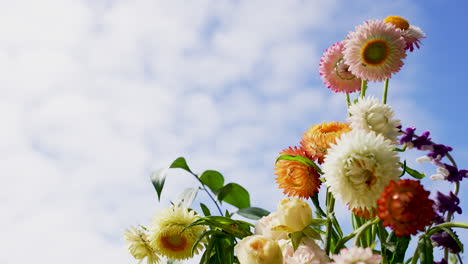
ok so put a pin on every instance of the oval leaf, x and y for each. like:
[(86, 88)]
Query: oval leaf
[(234, 194), (180, 163), (205, 209), (213, 179), (158, 178), (254, 213)]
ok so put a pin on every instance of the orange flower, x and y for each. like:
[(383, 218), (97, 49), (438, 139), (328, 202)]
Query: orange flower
[(318, 138), (405, 207), (296, 178), (365, 213)]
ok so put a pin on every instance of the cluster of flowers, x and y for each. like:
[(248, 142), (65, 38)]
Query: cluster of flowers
[(358, 161)]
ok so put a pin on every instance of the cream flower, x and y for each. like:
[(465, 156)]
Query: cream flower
[(357, 255), (307, 252), (139, 247), (359, 166), (370, 115), (294, 213), (265, 226), (167, 234), (257, 249)]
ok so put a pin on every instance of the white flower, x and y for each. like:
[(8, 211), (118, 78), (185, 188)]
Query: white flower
[(359, 166), (265, 226), (138, 245), (294, 213), (357, 255), (307, 252), (370, 115), (257, 249)]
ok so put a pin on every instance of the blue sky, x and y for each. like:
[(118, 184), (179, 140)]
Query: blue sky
[(97, 94)]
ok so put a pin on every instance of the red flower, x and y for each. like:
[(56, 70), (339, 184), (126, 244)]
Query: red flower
[(405, 207)]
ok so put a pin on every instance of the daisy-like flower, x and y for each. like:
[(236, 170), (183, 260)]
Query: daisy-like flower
[(258, 250), (359, 166), (405, 207), (370, 115), (356, 255), (375, 50), (317, 139), (411, 34), (307, 252), (297, 178), (335, 73), (139, 245), (166, 233)]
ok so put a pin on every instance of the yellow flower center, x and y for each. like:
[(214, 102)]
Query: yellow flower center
[(174, 242), (375, 52), (398, 22)]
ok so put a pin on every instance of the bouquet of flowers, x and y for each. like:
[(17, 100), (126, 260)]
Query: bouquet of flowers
[(359, 164)]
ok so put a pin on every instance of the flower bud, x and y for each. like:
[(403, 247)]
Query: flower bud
[(258, 250), (265, 226), (294, 213)]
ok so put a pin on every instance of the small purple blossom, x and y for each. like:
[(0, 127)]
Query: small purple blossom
[(439, 151), (442, 261), (453, 174), (445, 240), (408, 135), (448, 203), (423, 142)]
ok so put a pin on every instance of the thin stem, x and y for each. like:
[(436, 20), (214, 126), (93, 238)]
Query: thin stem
[(345, 239), (348, 100), (385, 91), (209, 194), (448, 225), (363, 88)]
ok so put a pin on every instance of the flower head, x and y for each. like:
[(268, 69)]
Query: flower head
[(448, 203), (356, 255), (317, 139), (294, 214), (411, 34), (445, 240), (375, 50), (405, 207), (265, 226), (370, 115), (139, 245), (334, 71), (359, 166), (296, 178), (258, 250), (307, 252), (167, 234)]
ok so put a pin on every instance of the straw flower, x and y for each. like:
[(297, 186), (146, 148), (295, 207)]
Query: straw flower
[(258, 250), (139, 245), (356, 255), (411, 34)]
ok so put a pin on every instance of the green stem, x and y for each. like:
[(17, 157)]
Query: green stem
[(209, 194), (385, 91), (447, 225), (316, 203), (348, 100), (363, 88), (345, 239)]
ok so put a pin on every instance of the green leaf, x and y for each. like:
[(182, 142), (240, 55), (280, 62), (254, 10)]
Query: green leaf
[(425, 250), (213, 179), (254, 213), (158, 178), (318, 222), (181, 164), (401, 246), (296, 239), (205, 209), (301, 159), (414, 173), (312, 233), (234, 194), (186, 198)]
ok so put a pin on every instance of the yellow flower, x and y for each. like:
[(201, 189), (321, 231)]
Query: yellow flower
[(318, 138), (168, 236), (139, 246), (294, 214), (258, 250)]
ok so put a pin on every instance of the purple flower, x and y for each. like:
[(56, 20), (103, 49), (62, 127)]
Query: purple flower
[(439, 151), (448, 203), (462, 174), (453, 174), (444, 239), (423, 142), (408, 136), (442, 261)]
